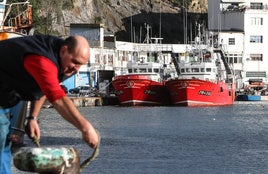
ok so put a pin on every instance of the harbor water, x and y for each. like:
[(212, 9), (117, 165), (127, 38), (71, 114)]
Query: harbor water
[(168, 140)]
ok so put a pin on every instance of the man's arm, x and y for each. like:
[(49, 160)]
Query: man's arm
[(36, 106), (69, 112), (33, 126), (39, 67)]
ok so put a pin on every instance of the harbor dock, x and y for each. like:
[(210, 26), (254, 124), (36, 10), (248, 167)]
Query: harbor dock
[(83, 101)]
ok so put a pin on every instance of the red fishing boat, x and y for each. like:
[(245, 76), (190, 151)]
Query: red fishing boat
[(141, 86), (204, 79)]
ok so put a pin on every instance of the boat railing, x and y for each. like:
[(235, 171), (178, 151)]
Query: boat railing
[(145, 76), (22, 22)]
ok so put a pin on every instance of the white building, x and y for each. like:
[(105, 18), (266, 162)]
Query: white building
[(241, 28)]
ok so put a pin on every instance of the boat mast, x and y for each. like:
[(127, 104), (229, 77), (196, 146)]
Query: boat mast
[(185, 21), (198, 43), (160, 21), (147, 39)]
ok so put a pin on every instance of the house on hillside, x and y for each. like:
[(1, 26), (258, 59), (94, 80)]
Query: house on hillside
[(241, 27)]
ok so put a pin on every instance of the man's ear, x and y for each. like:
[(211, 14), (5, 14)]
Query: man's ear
[(63, 50)]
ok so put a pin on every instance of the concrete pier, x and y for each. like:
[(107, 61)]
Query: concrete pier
[(264, 98), (89, 101)]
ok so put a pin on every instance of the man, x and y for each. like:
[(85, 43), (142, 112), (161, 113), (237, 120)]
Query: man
[(31, 69)]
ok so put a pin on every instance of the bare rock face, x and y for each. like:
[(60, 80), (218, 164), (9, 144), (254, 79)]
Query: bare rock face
[(118, 16), (198, 6)]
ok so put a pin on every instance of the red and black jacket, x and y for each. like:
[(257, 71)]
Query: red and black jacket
[(15, 83)]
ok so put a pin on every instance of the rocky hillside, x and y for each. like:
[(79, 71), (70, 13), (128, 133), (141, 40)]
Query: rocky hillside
[(165, 16), (198, 6)]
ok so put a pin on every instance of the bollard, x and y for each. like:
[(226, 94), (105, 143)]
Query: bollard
[(52, 160), (47, 160)]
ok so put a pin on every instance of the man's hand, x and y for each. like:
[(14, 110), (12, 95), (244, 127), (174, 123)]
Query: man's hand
[(32, 129), (91, 137)]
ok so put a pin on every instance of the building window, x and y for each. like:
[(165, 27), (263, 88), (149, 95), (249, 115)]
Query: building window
[(256, 21), (156, 70), (255, 39), (143, 70), (124, 56), (256, 57), (208, 69), (256, 5), (104, 61), (231, 41), (110, 60), (233, 58), (97, 58), (195, 69)]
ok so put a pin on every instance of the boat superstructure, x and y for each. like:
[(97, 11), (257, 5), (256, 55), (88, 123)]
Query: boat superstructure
[(204, 78)]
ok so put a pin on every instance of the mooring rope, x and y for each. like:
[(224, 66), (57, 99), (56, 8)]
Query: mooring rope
[(36, 141), (93, 156)]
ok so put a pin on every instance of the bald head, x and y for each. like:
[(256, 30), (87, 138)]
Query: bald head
[(82, 49), (74, 53), (78, 43)]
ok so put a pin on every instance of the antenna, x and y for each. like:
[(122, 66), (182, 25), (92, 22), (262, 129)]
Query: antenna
[(147, 39), (131, 37), (185, 21), (160, 22)]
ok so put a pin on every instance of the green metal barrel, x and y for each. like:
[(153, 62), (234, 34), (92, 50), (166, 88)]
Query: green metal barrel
[(47, 160)]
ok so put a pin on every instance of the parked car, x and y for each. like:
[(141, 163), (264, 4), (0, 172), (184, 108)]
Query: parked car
[(81, 90)]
